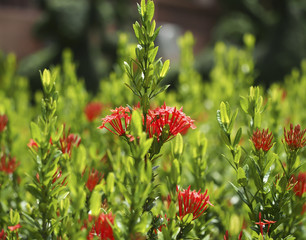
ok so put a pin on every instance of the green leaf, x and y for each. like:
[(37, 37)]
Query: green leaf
[(95, 203), (145, 147), (35, 132), (241, 178), (257, 120), (136, 124), (237, 137), (244, 104), (224, 116), (237, 155), (187, 218), (150, 10), (110, 182), (165, 69), (177, 146)]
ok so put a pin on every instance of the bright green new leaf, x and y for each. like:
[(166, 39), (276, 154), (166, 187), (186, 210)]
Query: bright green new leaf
[(177, 146), (35, 132), (95, 203), (110, 182), (136, 124), (150, 10), (224, 115), (165, 69)]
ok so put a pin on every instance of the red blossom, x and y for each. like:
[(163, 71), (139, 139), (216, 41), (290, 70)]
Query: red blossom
[(119, 120), (93, 110), (261, 224), (33, 144), (295, 138), (269, 222), (300, 184), (101, 228), (13, 228), (3, 235), (192, 202), (163, 225), (9, 166), (164, 116), (262, 140), (68, 141), (226, 237), (94, 178), (3, 122)]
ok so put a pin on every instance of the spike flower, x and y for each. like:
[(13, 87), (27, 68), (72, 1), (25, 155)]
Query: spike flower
[(192, 202), (262, 140), (164, 116), (9, 166), (300, 184), (68, 141), (295, 138), (93, 110), (119, 120), (94, 178), (3, 122), (101, 228)]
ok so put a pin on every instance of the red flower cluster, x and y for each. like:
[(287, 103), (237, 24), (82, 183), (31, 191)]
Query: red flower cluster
[(3, 122), (13, 228), (168, 116), (192, 202), (156, 120), (300, 184), (262, 224), (119, 115), (93, 110), (94, 178), (69, 140), (295, 138), (102, 228), (262, 140), (3, 235), (9, 166)]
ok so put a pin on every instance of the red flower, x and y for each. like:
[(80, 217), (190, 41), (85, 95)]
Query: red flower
[(269, 222), (226, 235), (93, 110), (13, 228), (3, 235), (69, 140), (175, 119), (261, 224), (10, 166), (192, 202), (93, 179), (262, 140), (3, 122), (33, 144), (300, 184), (119, 115), (295, 138), (102, 228)]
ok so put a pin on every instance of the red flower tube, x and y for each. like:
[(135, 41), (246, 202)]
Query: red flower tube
[(295, 138), (262, 140)]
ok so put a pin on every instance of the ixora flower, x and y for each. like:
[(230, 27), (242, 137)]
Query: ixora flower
[(300, 184), (3, 235), (93, 110), (101, 228), (119, 115), (9, 166), (192, 202), (13, 228), (94, 178), (3, 122), (295, 138), (164, 116), (262, 224), (69, 140), (262, 140)]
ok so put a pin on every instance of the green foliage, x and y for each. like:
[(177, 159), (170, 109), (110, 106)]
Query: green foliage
[(60, 192)]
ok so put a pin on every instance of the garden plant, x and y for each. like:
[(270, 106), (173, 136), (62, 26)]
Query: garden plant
[(217, 159)]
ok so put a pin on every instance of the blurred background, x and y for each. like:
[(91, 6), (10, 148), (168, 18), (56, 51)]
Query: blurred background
[(37, 31)]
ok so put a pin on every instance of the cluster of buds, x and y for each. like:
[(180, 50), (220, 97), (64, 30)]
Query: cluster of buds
[(101, 227), (8, 166), (192, 202), (295, 138), (94, 178), (262, 140), (93, 110)]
